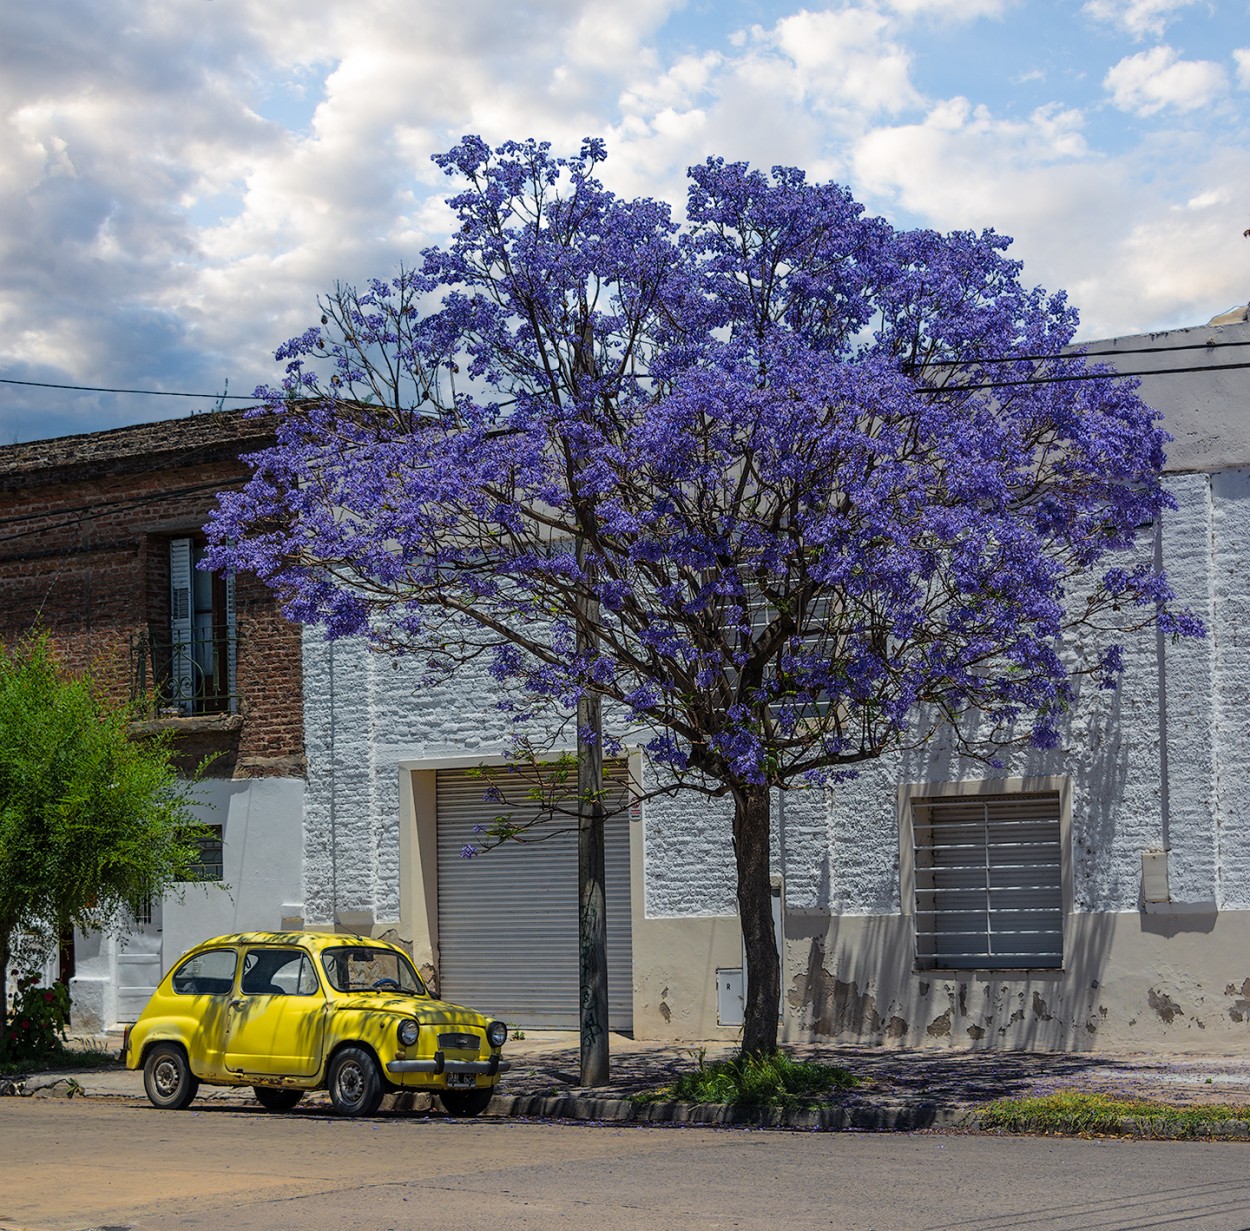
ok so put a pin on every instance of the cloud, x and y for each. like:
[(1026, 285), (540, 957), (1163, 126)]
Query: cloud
[(144, 193), (960, 164), (1145, 239), (179, 181), (947, 10), (1241, 58), (1148, 82), (1139, 18), (798, 92), (845, 58)]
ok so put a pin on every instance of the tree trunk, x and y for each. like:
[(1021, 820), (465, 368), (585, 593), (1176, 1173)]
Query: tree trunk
[(755, 911), (592, 931)]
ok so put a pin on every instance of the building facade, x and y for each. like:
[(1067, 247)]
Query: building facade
[(1096, 895), (100, 535)]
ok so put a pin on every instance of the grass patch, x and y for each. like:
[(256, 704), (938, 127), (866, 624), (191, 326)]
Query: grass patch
[(755, 1081), (1104, 1115), (64, 1058)]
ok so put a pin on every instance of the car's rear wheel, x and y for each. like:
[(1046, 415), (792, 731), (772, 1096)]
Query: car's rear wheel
[(465, 1102), (168, 1079), (271, 1098), (355, 1083)]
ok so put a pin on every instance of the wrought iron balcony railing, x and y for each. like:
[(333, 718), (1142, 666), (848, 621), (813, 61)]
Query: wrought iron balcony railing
[(183, 674)]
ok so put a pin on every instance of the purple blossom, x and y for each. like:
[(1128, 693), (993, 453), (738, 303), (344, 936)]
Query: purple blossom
[(892, 544)]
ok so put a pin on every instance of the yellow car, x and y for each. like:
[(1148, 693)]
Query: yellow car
[(286, 1012)]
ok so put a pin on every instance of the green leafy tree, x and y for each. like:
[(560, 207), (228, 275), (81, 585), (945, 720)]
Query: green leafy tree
[(93, 823)]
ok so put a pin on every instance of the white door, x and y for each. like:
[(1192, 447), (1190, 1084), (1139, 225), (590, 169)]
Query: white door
[(139, 963)]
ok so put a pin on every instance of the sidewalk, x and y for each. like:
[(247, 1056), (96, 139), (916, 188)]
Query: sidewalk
[(903, 1090)]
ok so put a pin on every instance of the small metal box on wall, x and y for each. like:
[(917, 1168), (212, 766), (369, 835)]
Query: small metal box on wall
[(730, 998), (1154, 877)]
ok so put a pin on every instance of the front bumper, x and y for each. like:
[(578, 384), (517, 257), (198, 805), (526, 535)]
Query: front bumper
[(440, 1064)]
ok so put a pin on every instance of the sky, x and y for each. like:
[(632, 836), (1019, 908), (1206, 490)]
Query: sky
[(180, 179)]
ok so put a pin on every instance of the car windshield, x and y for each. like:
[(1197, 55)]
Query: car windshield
[(362, 968)]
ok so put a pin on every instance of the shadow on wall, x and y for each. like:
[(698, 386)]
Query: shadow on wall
[(856, 982)]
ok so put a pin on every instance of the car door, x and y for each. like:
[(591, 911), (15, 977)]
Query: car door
[(276, 1023), (199, 998)]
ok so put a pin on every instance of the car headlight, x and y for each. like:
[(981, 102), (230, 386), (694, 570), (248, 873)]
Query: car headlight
[(496, 1034), (408, 1030)]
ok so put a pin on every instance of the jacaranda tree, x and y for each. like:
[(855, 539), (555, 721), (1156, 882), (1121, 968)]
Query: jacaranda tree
[(784, 486)]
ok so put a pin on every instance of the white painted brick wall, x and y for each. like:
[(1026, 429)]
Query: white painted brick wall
[(841, 845), (1231, 721)]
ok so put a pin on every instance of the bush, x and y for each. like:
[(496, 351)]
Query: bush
[(37, 1021), (772, 1080)]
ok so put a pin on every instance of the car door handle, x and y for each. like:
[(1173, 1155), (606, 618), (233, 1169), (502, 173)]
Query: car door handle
[(237, 1004)]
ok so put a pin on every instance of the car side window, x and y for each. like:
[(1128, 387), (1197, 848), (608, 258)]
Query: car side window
[(278, 972), (206, 974)]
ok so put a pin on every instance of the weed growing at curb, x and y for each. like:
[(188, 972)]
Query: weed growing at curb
[(755, 1081), (1074, 1114)]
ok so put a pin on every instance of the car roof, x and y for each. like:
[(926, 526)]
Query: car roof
[(312, 941)]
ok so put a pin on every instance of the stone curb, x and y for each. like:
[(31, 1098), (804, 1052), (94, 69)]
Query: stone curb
[(1147, 1130), (42, 1085), (884, 1118)]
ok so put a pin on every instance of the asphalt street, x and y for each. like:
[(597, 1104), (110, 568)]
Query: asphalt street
[(70, 1165)]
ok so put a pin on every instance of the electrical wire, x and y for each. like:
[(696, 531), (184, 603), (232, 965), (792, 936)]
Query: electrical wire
[(1070, 376), (158, 393), (1078, 352), (77, 515), (1073, 356)]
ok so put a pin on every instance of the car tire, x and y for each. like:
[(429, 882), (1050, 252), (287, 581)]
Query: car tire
[(354, 1082), (167, 1078), (465, 1102), (273, 1098)]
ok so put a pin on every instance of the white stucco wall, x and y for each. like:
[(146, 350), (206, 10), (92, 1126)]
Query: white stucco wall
[(364, 713), (263, 835), (262, 847)]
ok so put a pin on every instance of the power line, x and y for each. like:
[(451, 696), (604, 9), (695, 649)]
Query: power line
[(1070, 376), (158, 393), (76, 515), (1073, 357), (1078, 353)]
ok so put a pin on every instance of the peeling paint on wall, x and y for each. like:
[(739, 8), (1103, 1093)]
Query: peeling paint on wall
[(829, 1006), (1240, 1009), (1163, 1005)]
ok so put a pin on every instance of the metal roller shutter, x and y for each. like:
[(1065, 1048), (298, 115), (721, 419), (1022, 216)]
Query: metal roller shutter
[(507, 920)]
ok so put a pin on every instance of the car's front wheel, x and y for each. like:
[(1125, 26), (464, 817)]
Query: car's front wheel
[(355, 1083), (271, 1098), (168, 1079), (465, 1102)]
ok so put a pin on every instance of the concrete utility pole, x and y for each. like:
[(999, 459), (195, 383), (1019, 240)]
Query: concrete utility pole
[(592, 932)]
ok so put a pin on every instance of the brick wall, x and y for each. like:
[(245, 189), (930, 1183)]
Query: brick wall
[(85, 526)]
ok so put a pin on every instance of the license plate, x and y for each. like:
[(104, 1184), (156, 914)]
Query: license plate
[(456, 1081)]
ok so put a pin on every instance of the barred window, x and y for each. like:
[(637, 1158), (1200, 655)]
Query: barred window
[(208, 866), (988, 881)]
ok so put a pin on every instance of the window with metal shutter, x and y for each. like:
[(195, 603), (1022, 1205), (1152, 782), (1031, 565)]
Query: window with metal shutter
[(182, 682), (989, 892), (507, 919)]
